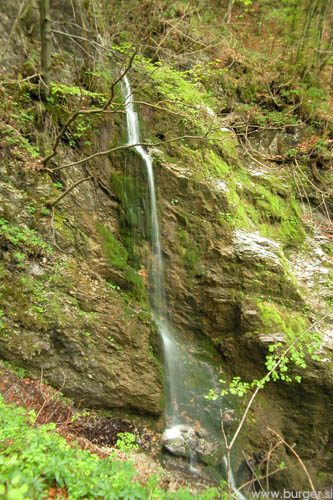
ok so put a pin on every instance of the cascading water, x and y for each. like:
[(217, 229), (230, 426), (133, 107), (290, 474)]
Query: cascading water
[(185, 400), (157, 295), (189, 377)]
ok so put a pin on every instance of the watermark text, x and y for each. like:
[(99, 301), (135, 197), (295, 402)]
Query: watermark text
[(289, 494)]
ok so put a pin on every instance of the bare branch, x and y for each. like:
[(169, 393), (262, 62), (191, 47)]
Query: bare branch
[(129, 146), (227, 453), (79, 112), (252, 157), (70, 35), (56, 201), (50, 398), (266, 476), (19, 14), (299, 459), (45, 53), (61, 133), (120, 78), (160, 107), (254, 475), (271, 451), (227, 15), (14, 82)]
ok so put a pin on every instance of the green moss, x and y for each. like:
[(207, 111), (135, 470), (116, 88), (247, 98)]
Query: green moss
[(117, 256), (113, 250), (290, 323), (254, 204), (189, 253), (247, 89), (32, 306), (227, 142), (134, 210), (216, 166), (128, 193)]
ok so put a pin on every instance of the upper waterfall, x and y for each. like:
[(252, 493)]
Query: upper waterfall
[(133, 131)]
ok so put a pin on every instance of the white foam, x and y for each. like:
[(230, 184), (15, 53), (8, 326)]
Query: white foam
[(173, 433)]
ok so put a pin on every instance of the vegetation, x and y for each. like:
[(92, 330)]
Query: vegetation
[(118, 257), (24, 239), (35, 461), (237, 96)]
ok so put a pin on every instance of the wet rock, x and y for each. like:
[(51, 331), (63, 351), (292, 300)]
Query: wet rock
[(253, 247), (185, 441)]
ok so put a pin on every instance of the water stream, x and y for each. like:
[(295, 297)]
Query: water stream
[(157, 295), (189, 375)]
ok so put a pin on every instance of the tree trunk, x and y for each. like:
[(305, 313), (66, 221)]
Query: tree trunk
[(45, 36), (227, 15), (310, 11), (327, 53), (321, 21)]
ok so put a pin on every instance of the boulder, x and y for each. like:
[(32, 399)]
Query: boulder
[(185, 441)]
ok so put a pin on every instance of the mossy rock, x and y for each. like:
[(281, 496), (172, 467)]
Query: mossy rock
[(117, 256)]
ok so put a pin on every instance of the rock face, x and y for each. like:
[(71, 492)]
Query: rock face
[(74, 308), (244, 291), (65, 321), (244, 268)]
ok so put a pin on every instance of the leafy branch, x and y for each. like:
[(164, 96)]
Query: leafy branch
[(260, 384)]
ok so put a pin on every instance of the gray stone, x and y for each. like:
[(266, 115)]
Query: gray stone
[(185, 441)]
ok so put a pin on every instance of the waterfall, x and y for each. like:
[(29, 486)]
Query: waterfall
[(157, 296), (188, 376)]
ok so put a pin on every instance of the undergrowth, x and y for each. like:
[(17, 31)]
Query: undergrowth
[(34, 459)]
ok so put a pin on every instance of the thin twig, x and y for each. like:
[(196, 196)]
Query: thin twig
[(271, 451), (160, 107), (253, 473), (79, 112), (298, 458), (252, 157), (124, 73), (308, 180), (251, 481), (267, 376), (55, 202), (47, 400), (129, 146), (14, 82), (21, 8), (228, 455)]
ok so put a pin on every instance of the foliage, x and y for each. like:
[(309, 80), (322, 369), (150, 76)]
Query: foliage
[(126, 442), (15, 139), (302, 342), (60, 90), (24, 238), (34, 459)]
